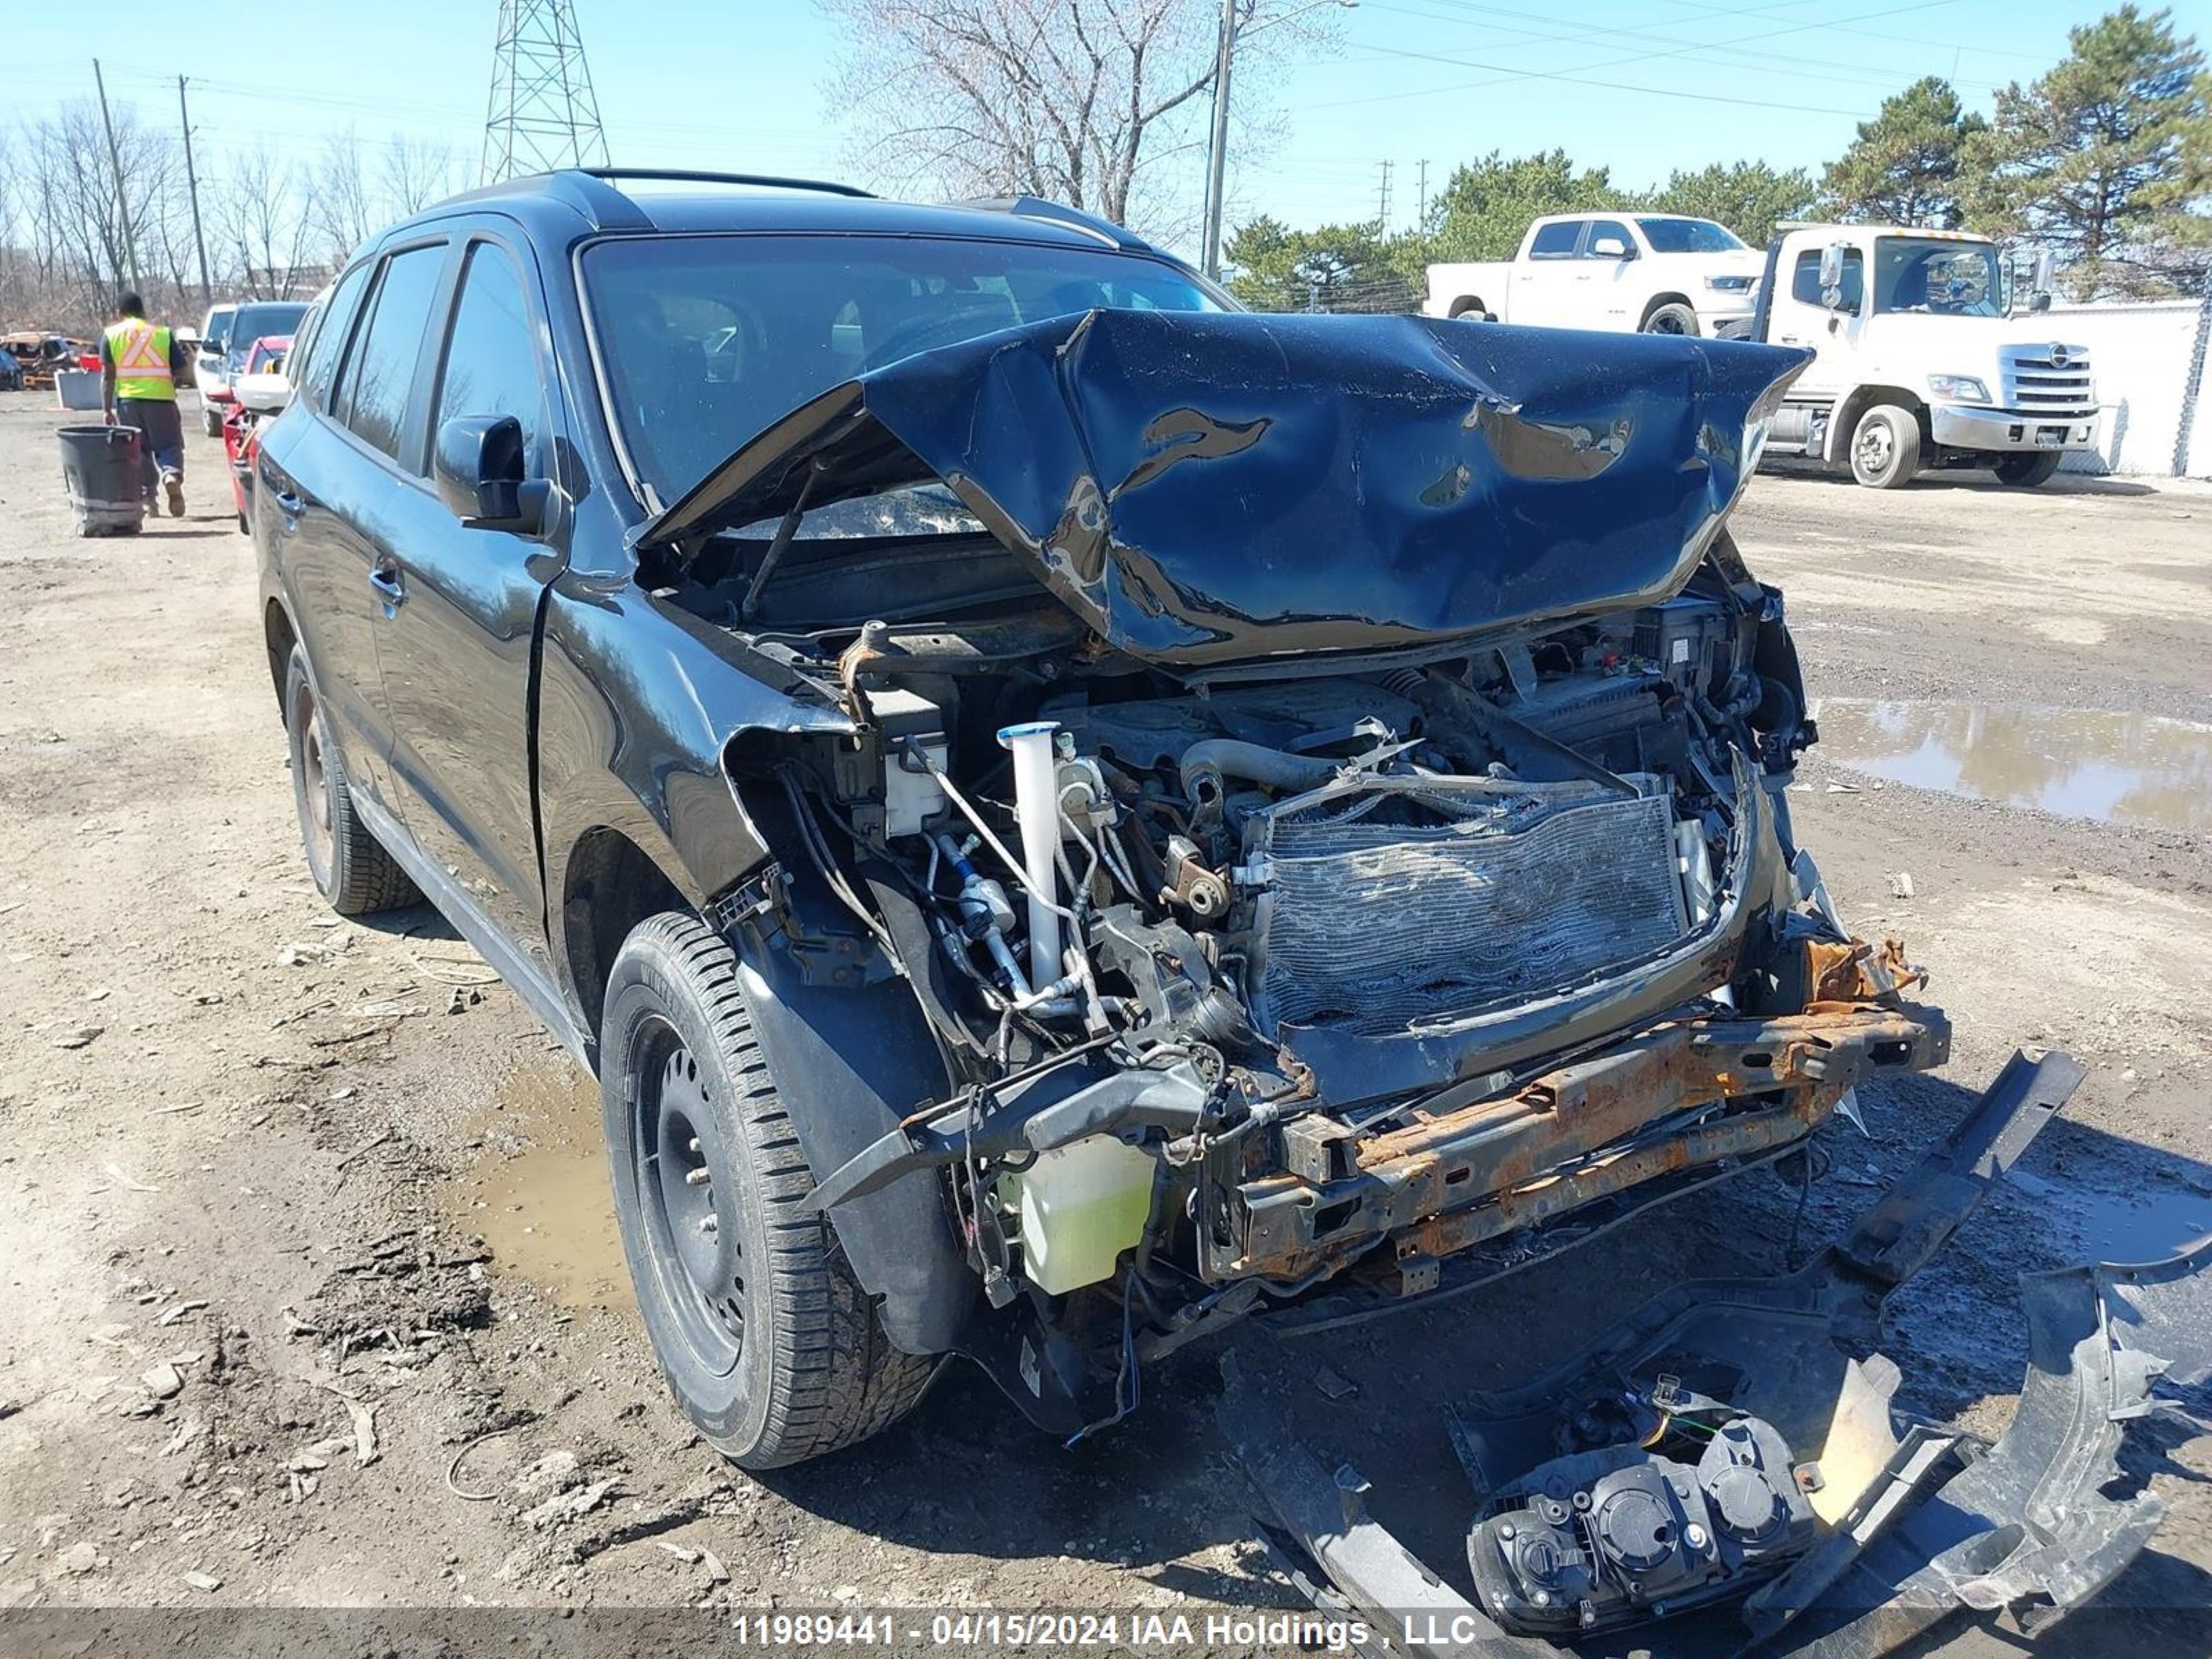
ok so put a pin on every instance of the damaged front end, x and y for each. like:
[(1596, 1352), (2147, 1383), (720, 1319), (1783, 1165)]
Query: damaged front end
[(1322, 783), (1738, 1442)]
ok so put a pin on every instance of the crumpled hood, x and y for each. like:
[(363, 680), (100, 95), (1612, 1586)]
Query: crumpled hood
[(1211, 488)]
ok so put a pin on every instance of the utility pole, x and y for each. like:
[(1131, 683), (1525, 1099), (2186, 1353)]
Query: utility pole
[(1382, 207), (1421, 219), (1218, 158), (115, 161), (192, 183)]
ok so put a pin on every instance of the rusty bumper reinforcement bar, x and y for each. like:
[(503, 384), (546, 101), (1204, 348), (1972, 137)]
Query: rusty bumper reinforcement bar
[(1914, 1530), (1460, 1174)]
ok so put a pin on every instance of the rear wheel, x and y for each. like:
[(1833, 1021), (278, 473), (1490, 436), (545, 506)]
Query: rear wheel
[(767, 1340), (211, 421), (2026, 472), (1673, 319), (355, 874), (1886, 448)]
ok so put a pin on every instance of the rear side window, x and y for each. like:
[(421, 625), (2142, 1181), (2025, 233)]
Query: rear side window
[(491, 355), (316, 366), (381, 369), (1556, 242)]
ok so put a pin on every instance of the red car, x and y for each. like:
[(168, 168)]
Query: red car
[(256, 393)]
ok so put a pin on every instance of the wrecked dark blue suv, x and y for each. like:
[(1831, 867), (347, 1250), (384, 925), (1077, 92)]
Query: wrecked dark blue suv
[(1061, 813)]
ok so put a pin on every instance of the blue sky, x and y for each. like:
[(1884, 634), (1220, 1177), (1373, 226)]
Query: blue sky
[(1641, 86)]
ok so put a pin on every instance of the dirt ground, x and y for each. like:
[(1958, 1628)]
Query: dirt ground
[(309, 1297)]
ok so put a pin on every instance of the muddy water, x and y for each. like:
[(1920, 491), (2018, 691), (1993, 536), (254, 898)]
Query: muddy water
[(2118, 768), (537, 1193), (2146, 1224)]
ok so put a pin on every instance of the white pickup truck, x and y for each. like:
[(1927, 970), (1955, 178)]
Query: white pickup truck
[(1921, 358), (1656, 273)]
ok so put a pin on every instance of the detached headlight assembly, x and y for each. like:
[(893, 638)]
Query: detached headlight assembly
[(1728, 284), (1965, 388)]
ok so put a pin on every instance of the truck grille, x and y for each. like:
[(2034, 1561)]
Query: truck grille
[(2048, 380), (1374, 926)]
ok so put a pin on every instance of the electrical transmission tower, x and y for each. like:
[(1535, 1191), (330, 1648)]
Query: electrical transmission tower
[(542, 114)]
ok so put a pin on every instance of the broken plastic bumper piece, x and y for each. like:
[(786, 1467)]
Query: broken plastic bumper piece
[(1735, 1440)]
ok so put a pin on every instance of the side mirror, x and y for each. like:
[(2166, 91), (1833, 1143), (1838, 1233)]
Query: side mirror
[(478, 467), (2046, 267), (2040, 300), (1610, 248), (1832, 276)]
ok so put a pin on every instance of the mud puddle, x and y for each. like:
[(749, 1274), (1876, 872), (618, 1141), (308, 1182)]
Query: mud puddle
[(537, 1194), (2137, 770), (2148, 1224)]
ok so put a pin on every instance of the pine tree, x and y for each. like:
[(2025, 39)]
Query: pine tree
[(1902, 167), (2104, 158)]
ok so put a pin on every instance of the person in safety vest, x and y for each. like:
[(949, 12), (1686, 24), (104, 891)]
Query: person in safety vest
[(141, 365)]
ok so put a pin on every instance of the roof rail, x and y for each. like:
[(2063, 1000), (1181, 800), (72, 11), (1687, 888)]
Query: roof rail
[(1058, 213), (775, 181)]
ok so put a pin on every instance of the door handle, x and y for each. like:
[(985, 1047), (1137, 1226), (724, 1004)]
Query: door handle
[(383, 577), (292, 506)]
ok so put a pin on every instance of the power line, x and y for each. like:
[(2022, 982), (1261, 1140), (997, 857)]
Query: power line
[(1823, 69), (1504, 72)]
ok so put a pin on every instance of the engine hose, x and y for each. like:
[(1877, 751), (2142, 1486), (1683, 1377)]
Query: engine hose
[(1207, 764)]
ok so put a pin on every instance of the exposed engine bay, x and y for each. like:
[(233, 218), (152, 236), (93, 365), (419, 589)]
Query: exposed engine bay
[(1350, 974)]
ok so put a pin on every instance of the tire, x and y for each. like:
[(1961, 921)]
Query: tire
[(1673, 318), (2027, 471), (211, 422), (1469, 311), (348, 865), (770, 1345), (1886, 448)]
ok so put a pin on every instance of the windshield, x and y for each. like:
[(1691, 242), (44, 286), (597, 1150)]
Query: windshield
[(1955, 279), (249, 323), (705, 340), (1688, 236), (218, 327)]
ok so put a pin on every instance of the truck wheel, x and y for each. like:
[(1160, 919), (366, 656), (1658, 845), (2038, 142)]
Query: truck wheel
[(1465, 310), (211, 422), (355, 874), (770, 1346), (2026, 472), (1672, 318), (1886, 448)]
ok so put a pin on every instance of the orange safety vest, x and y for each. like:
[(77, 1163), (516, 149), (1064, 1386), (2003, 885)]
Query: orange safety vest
[(140, 352)]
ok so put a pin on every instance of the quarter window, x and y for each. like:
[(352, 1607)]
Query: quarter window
[(491, 355), (318, 365), (381, 369)]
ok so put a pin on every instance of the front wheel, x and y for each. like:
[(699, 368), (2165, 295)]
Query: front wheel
[(1886, 448), (767, 1340), (211, 421), (2026, 472), (1675, 318)]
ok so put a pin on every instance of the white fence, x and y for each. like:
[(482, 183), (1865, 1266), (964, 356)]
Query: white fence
[(2154, 379)]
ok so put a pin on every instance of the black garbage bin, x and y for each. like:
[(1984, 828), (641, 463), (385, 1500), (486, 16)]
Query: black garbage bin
[(104, 466)]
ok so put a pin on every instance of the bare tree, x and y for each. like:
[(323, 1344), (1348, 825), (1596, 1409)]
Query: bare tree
[(262, 220), (74, 219), (416, 173), (1084, 102), (340, 197)]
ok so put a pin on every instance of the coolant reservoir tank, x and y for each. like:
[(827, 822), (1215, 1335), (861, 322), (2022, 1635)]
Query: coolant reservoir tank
[(1080, 1206)]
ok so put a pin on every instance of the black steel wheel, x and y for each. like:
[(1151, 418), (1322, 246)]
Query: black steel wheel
[(350, 868), (2027, 471), (767, 1342)]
